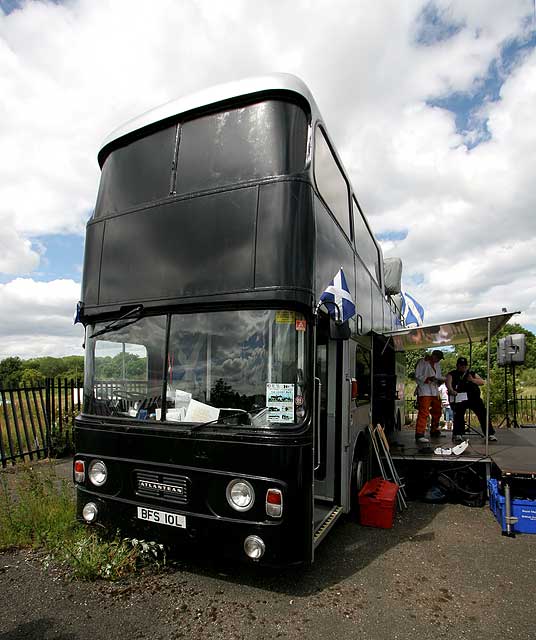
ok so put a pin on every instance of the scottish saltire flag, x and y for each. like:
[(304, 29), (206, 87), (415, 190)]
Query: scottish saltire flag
[(77, 313), (337, 294), (412, 311)]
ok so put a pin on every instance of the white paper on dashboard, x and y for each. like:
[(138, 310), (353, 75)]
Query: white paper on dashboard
[(201, 412), (182, 399), (461, 397), (176, 415)]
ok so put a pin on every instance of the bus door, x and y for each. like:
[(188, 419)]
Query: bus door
[(360, 415), (329, 355)]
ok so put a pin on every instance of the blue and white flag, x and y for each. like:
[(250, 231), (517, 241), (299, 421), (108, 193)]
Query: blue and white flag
[(77, 313), (337, 296), (412, 311)]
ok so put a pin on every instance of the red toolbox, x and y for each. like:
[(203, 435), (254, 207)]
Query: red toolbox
[(377, 503)]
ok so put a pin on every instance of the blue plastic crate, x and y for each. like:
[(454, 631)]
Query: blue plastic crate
[(523, 510)]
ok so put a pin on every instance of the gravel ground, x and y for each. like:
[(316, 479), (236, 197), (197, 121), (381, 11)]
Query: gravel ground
[(443, 570)]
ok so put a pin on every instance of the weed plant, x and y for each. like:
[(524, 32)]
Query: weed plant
[(37, 510), (92, 556)]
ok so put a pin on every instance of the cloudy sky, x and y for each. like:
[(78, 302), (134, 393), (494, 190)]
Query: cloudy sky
[(432, 106)]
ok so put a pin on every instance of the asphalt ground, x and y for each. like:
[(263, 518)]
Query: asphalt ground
[(443, 571)]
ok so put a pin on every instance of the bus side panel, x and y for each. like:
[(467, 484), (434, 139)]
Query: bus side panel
[(363, 297), (92, 259), (333, 251), (207, 464), (388, 316), (377, 309), (285, 236)]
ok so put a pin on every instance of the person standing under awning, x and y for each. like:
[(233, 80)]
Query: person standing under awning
[(428, 376), (464, 389)]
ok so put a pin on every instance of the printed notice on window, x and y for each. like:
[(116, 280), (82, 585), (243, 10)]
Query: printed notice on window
[(280, 402), (285, 317)]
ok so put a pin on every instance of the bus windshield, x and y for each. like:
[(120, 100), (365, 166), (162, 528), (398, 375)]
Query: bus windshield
[(245, 365)]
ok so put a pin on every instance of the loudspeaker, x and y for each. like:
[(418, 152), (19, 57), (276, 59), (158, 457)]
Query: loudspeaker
[(511, 350)]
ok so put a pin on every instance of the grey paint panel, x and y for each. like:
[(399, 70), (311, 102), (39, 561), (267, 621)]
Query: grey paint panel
[(136, 173), (92, 257), (285, 236), (363, 297), (377, 310), (247, 143), (332, 251), (181, 249)]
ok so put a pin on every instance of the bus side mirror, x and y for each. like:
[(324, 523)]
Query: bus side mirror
[(339, 331)]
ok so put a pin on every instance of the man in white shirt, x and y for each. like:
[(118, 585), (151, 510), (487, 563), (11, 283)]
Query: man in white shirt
[(428, 377)]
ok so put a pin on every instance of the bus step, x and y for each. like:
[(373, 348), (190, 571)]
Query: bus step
[(326, 525)]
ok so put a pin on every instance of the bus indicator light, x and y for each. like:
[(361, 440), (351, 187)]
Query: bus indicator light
[(274, 503), (79, 471)]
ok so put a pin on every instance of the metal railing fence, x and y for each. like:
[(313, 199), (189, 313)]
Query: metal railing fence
[(37, 420)]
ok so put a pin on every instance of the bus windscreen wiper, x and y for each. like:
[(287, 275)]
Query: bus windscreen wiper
[(128, 319), (218, 420)]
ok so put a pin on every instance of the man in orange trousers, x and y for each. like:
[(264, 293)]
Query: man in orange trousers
[(428, 376)]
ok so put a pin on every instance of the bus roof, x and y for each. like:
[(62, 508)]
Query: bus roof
[(276, 82)]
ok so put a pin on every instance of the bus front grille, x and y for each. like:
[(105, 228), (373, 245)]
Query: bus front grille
[(152, 484)]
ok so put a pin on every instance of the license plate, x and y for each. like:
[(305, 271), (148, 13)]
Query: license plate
[(162, 517)]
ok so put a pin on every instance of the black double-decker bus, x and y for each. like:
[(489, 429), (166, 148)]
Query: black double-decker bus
[(221, 402)]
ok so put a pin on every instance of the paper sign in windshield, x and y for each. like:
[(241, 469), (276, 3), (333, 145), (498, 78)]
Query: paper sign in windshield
[(280, 402), (285, 317), (201, 412)]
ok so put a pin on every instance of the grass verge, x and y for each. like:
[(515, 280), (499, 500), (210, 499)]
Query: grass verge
[(37, 510)]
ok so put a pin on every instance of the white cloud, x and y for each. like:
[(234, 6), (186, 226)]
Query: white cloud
[(36, 318), (16, 253), (71, 73), (479, 204)]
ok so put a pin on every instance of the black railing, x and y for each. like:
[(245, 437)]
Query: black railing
[(37, 421)]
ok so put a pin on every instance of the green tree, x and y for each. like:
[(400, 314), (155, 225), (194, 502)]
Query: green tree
[(31, 376), (10, 371), (66, 367), (501, 385), (412, 357)]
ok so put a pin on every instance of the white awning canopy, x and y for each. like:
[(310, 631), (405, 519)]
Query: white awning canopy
[(444, 334)]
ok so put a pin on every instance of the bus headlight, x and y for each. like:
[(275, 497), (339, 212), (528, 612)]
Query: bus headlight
[(254, 547), (89, 512), (240, 495), (98, 473)]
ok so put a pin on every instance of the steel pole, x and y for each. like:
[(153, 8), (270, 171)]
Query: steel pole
[(488, 387)]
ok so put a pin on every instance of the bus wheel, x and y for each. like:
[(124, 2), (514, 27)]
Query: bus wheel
[(360, 471)]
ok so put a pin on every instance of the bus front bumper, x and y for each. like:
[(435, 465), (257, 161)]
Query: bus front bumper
[(281, 544)]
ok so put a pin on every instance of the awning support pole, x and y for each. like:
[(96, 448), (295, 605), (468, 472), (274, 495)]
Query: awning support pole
[(488, 387)]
